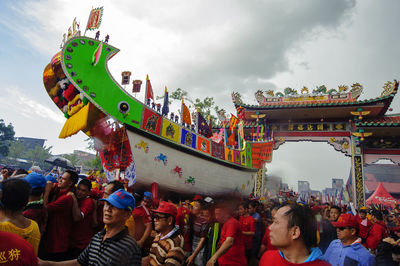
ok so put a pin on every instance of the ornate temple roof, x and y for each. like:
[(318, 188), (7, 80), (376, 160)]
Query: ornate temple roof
[(320, 104), (384, 121)]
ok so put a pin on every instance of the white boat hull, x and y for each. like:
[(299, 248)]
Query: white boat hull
[(179, 171)]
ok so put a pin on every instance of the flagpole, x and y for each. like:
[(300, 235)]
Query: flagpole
[(145, 93)]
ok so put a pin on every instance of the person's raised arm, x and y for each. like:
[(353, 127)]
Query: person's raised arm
[(221, 251)]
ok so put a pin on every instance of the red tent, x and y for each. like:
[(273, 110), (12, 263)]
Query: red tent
[(381, 197)]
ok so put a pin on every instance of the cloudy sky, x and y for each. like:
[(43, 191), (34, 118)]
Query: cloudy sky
[(208, 48)]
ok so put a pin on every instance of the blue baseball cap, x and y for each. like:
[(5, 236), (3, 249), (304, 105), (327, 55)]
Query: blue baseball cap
[(148, 195), (51, 178), (35, 180), (121, 199)]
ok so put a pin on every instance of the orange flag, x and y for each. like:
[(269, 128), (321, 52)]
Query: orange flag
[(186, 114)]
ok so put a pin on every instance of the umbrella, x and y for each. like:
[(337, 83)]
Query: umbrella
[(61, 162)]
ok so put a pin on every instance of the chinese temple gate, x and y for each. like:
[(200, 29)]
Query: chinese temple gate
[(358, 128)]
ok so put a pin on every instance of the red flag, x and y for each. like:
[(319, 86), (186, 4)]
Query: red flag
[(149, 89)]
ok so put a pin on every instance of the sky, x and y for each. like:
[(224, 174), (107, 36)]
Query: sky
[(208, 48)]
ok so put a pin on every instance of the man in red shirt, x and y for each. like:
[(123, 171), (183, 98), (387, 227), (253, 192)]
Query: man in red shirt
[(231, 249), (248, 227), (294, 233), (82, 212), (143, 224), (15, 250), (378, 231), (59, 225)]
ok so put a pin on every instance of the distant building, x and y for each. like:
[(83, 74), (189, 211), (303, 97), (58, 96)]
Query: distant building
[(303, 186), (337, 183), (284, 186), (31, 143), (83, 155)]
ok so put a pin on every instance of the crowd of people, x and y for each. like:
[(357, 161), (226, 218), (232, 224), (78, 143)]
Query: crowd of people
[(71, 221)]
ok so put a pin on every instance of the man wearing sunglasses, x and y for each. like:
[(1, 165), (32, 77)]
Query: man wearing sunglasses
[(347, 249), (167, 247)]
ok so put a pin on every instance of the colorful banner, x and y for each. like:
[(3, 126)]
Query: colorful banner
[(261, 153), (188, 138), (237, 157), (218, 150), (202, 126), (243, 158), (151, 121), (229, 155), (170, 130), (95, 18), (203, 144), (233, 122), (248, 155)]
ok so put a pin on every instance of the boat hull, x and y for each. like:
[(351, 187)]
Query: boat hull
[(179, 171)]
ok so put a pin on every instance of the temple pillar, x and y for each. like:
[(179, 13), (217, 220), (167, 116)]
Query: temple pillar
[(357, 172)]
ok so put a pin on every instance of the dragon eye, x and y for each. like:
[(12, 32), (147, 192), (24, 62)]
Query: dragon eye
[(123, 107)]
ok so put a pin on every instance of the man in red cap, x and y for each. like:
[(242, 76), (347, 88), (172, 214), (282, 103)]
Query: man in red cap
[(347, 249), (167, 247)]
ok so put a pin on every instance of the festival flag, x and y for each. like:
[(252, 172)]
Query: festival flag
[(202, 126), (232, 139), (136, 86), (262, 132), (95, 17), (97, 54), (165, 108), (186, 114), (233, 122), (149, 89)]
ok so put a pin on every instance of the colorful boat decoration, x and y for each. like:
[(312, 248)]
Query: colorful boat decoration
[(138, 142)]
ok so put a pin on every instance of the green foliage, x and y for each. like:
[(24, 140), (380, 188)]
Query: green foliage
[(94, 164), (6, 137), (205, 106), (38, 154), (16, 150), (72, 158)]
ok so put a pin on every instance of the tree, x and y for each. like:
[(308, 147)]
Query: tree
[(38, 154), (16, 149), (72, 158), (205, 106), (95, 163), (6, 137)]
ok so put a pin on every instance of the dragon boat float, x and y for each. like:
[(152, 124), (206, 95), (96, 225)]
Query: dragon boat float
[(139, 143)]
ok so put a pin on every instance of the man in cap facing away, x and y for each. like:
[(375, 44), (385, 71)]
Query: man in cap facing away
[(113, 245), (347, 249)]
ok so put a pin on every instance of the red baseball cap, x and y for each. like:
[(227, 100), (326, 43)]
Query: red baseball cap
[(167, 208), (346, 220), (197, 197)]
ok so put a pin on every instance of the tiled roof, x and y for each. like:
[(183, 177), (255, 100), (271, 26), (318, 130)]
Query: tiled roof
[(317, 104), (390, 120)]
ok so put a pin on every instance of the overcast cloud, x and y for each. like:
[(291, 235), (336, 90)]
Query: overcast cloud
[(211, 48)]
